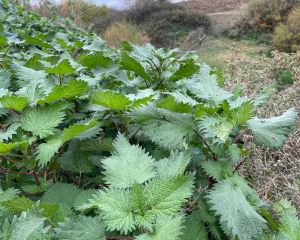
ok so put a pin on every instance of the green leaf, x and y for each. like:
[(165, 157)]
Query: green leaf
[(62, 68), (215, 128), (204, 86), (34, 62), (115, 208), (243, 113), (42, 121), (130, 64), (18, 205), (34, 189), (63, 41), (8, 194), (166, 227), (146, 220), (128, 165), (71, 90), (80, 227), (3, 41), (144, 216), (61, 193), (6, 147), (219, 75), (110, 99), (169, 103), (75, 160), (26, 227), (46, 151), (237, 216), (142, 97), (64, 211), (49, 209), (36, 41), (174, 165), (223, 129), (217, 169), (28, 76), (101, 145), (165, 195), (9, 132), (194, 227), (95, 60), (97, 44), (206, 124), (5, 79), (76, 130), (17, 103), (289, 228), (83, 197), (185, 70), (165, 128), (183, 98), (273, 132)]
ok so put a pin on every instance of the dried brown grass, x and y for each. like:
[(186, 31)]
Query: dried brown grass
[(274, 174), (124, 31)]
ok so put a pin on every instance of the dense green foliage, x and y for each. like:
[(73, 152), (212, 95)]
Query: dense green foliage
[(285, 77), (98, 143)]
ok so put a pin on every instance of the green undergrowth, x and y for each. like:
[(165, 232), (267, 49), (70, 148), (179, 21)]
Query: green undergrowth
[(128, 143)]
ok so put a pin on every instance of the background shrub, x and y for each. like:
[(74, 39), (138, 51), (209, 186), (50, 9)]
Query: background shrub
[(282, 38), (105, 21), (82, 12), (167, 26), (166, 23), (287, 36), (124, 31), (264, 15), (141, 11)]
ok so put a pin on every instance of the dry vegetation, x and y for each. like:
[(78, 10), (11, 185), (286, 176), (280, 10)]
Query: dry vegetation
[(287, 36), (274, 174), (124, 31)]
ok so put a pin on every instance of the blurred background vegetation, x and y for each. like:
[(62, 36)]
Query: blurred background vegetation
[(185, 24)]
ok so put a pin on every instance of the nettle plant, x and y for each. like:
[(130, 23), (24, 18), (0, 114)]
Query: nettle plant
[(130, 143)]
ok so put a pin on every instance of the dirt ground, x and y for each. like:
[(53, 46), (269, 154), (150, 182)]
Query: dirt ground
[(274, 174)]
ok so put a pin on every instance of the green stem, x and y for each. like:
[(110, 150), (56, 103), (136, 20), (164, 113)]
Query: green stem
[(206, 144), (6, 52)]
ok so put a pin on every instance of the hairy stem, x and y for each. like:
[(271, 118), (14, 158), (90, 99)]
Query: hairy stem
[(206, 144), (36, 179), (4, 170), (237, 167), (7, 51)]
